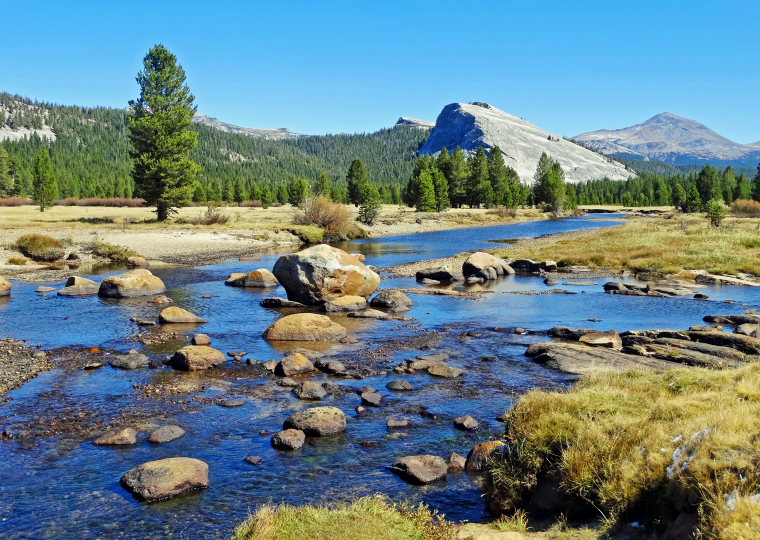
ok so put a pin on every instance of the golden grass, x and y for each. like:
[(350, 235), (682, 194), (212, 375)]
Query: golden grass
[(659, 244), (613, 436), (367, 518)]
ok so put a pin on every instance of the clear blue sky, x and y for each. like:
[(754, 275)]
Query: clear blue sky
[(328, 67)]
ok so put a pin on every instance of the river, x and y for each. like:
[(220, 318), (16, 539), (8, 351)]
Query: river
[(64, 487)]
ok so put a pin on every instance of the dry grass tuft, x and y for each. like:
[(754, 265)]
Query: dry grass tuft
[(39, 247), (745, 208), (334, 218), (637, 445), (367, 518)]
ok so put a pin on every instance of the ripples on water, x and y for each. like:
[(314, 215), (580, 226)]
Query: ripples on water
[(67, 488)]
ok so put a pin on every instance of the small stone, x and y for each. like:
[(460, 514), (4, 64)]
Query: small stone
[(197, 357), (420, 469), (237, 356), (455, 462), (201, 339), (143, 322), (294, 364), (287, 382), (176, 314), (445, 371), (700, 296), (253, 460), (309, 390), (43, 289), (330, 366), (126, 436), (488, 358), (371, 398), (269, 365), (397, 423), (232, 403), (361, 410), (164, 434), (162, 300), (399, 385), (93, 365), (466, 423), (289, 439)]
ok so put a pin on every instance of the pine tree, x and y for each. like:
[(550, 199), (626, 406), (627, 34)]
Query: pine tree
[(6, 181), (369, 208), (743, 188), (478, 178), (504, 180), (357, 178), (729, 184), (44, 186), (756, 185), (424, 191), (298, 191), (159, 130), (550, 186), (322, 185), (457, 174), (709, 185), (441, 188)]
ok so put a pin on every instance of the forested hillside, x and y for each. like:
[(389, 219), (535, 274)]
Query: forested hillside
[(90, 153)]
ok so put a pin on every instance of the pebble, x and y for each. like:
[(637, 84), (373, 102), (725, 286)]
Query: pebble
[(253, 460)]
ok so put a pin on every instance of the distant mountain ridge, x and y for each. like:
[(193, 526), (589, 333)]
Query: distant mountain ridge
[(476, 124), (268, 134), (673, 139)]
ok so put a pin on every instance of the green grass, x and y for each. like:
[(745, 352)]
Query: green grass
[(18, 261), (39, 247), (612, 437), (368, 518), (112, 252)]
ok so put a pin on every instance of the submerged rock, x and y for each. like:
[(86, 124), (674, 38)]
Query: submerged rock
[(369, 314), (130, 361), (422, 469), (320, 273), (176, 314), (166, 478), (165, 434), (131, 284), (275, 302), (318, 421), (305, 327), (399, 385), (125, 437)]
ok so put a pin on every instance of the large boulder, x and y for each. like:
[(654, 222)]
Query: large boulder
[(5, 287), (261, 278), (79, 286), (166, 478), (196, 358), (318, 421), (392, 300), (440, 273), (420, 469), (176, 314), (320, 273), (294, 364), (486, 266), (305, 327), (131, 284)]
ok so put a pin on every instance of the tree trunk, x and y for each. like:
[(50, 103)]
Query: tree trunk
[(162, 211)]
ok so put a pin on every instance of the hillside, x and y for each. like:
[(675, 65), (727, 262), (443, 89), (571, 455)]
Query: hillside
[(480, 124), (269, 134), (89, 149), (673, 139)]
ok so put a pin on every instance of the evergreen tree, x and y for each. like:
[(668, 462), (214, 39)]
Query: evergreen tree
[(743, 188), (729, 184), (756, 185), (476, 187), (441, 188), (298, 191), (357, 178), (709, 184), (159, 130), (322, 185), (423, 191), (369, 207), (504, 180), (6, 181), (457, 173), (282, 194), (550, 184), (45, 189)]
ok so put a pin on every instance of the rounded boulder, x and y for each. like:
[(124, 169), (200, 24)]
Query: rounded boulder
[(131, 284), (320, 273), (166, 478), (305, 327), (197, 358), (176, 314), (392, 301), (318, 421), (261, 279)]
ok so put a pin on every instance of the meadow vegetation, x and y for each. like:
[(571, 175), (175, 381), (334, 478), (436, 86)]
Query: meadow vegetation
[(40, 247), (641, 446)]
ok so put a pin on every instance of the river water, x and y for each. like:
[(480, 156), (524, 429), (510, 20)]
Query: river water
[(62, 486)]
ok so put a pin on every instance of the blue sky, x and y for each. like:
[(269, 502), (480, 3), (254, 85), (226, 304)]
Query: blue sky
[(328, 67)]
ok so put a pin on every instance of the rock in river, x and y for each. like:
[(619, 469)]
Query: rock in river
[(318, 421), (392, 300), (346, 303), (197, 357), (294, 364), (165, 434), (466, 423), (320, 273), (126, 436), (176, 314), (478, 456), (130, 361), (441, 273), (166, 478), (309, 390), (261, 278), (131, 284), (5, 287), (420, 469), (486, 266), (289, 439), (610, 339), (399, 385), (305, 327), (79, 286)]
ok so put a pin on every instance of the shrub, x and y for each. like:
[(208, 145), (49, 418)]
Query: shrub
[(116, 202), (15, 201), (39, 247), (716, 212), (252, 204), (745, 208), (18, 260), (112, 252), (213, 216), (334, 218)]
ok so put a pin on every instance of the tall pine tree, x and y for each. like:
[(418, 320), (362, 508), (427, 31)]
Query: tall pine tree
[(357, 179), (159, 130), (44, 187)]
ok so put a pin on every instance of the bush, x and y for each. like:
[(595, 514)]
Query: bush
[(15, 201), (39, 247), (745, 208), (117, 202), (334, 218), (716, 212), (112, 252), (213, 216), (18, 260), (252, 204)]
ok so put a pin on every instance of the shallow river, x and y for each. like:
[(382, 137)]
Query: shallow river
[(64, 487)]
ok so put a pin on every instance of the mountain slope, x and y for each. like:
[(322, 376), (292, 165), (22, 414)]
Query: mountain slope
[(480, 124), (670, 138), (268, 134)]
